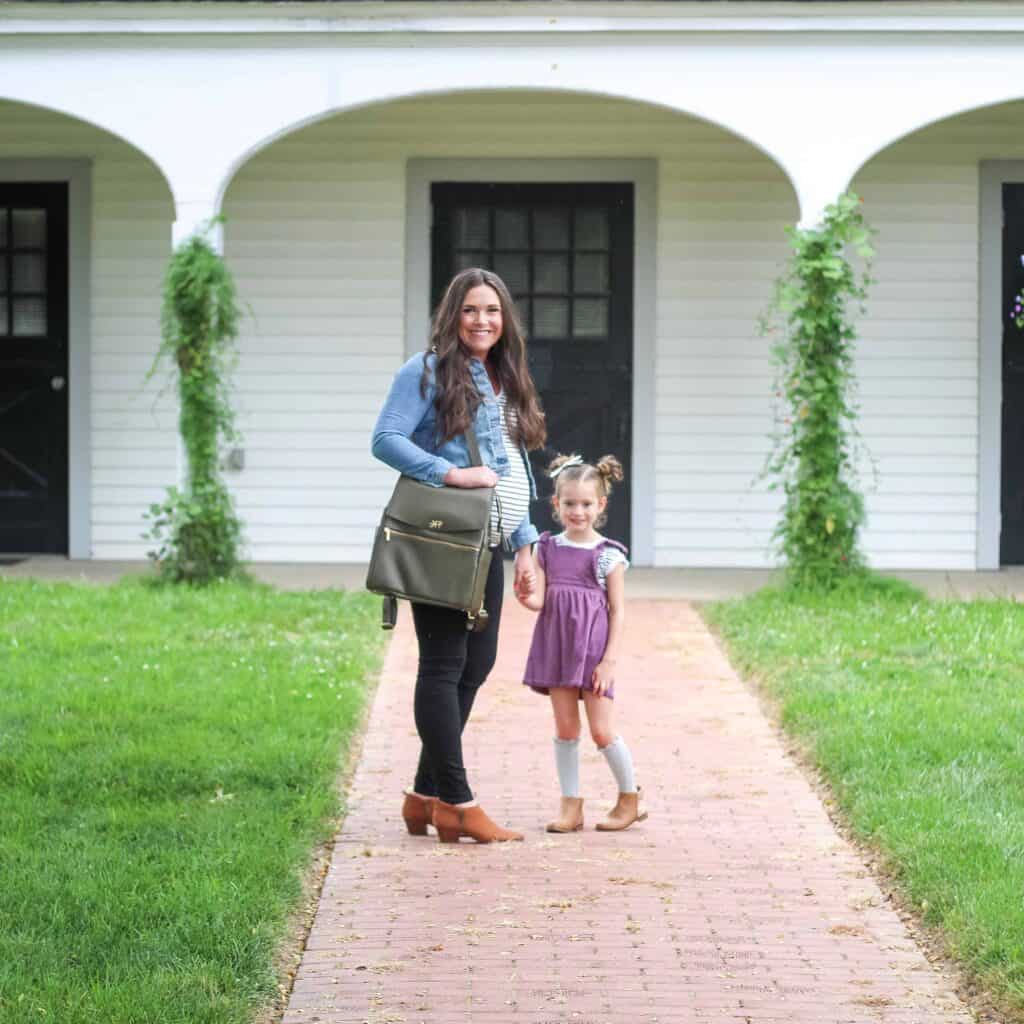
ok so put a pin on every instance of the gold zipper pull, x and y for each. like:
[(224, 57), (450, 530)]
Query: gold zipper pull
[(387, 533)]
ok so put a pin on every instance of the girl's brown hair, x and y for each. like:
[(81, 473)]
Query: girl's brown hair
[(603, 473), (457, 396)]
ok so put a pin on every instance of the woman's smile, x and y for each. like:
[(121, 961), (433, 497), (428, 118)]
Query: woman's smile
[(480, 321)]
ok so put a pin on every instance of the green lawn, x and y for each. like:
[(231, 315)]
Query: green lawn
[(168, 761), (914, 711)]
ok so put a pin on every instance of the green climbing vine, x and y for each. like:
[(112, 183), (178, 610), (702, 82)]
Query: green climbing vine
[(195, 528), (813, 459)]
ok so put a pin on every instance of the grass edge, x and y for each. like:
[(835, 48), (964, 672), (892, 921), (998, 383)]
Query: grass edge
[(983, 1005), (290, 950)]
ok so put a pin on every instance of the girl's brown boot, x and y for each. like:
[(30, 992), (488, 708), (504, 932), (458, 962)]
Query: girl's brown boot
[(454, 822), (570, 815), (626, 811), (417, 811)]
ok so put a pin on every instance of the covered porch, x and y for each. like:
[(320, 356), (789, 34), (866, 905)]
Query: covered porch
[(325, 167)]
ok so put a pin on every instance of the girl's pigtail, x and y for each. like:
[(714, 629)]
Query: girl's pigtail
[(611, 470)]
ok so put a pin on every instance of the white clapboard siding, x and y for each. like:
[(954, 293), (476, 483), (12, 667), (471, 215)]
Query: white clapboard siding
[(133, 439), (918, 358), (316, 237)]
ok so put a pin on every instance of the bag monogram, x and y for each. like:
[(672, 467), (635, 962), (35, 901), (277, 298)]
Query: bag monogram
[(433, 546)]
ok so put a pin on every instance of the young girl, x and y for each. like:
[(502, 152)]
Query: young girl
[(579, 593)]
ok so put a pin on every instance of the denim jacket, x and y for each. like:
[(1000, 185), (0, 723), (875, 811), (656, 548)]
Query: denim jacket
[(405, 436)]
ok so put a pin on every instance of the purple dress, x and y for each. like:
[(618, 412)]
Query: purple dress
[(571, 632)]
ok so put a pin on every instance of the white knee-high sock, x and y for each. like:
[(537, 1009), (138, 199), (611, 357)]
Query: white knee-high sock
[(620, 760), (567, 761)]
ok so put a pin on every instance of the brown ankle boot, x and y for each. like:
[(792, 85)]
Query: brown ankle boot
[(626, 811), (417, 812), (570, 815), (453, 822)]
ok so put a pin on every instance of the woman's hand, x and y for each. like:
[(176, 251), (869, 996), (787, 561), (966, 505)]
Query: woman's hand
[(603, 677), (526, 575), (530, 584), (471, 476)]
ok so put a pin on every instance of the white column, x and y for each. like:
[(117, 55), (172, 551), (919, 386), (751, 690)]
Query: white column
[(819, 186), (194, 217)]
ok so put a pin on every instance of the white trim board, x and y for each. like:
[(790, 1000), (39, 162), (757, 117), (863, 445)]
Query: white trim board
[(366, 17), (643, 174), (994, 174), (78, 176)]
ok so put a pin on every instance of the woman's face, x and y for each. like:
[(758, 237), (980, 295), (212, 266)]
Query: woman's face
[(480, 322)]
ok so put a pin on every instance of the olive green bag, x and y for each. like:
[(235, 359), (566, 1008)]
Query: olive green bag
[(433, 546)]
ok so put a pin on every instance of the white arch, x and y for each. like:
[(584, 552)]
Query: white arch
[(818, 106), (342, 108), (69, 110), (1012, 96)]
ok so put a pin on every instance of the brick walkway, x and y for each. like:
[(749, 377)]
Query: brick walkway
[(736, 902)]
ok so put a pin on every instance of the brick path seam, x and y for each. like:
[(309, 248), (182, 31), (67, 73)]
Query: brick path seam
[(737, 902)]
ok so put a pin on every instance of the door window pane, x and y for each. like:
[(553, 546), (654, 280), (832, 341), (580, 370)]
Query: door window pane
[(590, 318), (470, 258), (511, 229), (514, 269), (550, 318), (3, 273), (550, 229), (523, 305), (3, 227), (591, 228), (591, 272), (472, 228), (3, 316), (29, 318), (29, 229), (29, 272), (551, 272)]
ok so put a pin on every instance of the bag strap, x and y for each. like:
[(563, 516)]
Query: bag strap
[(474, 448), (474, 454), (389, 612)]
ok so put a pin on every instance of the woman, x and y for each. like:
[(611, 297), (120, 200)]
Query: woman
[(473, 372)]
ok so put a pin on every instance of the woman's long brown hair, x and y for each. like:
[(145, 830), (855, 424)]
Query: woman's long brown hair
[(457, 395)]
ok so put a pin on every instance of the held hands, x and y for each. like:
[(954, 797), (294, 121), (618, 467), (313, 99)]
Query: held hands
[(526, 576), (603, 677), (471, 476), (529, 584)]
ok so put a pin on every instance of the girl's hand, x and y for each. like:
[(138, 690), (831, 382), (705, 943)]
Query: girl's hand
[(529, 585), (471, 476), (603, 677), (526, 576)]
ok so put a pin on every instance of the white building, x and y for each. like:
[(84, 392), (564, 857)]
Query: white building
[(629, 166)]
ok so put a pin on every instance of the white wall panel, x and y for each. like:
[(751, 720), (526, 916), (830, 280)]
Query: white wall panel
[(315, 236), (315, 233), (919, 355), (133, 439)]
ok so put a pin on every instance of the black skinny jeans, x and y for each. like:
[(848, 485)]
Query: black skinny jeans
[(453, 665)]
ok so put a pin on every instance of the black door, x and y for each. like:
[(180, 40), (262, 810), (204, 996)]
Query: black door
[(1011, 538), (33, 368), (566, 253)]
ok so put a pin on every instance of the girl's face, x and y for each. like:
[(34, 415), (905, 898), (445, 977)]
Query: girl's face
[(578, 506), (480, 322)]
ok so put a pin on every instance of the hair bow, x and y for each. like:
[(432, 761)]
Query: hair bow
[(573, 460)]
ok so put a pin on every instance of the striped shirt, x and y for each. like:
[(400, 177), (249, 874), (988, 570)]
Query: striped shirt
[(513, 490), (609, 557)]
